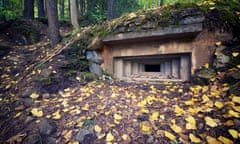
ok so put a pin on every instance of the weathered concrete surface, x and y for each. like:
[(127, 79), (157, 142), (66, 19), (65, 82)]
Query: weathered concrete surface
[(200, 49), (160, 33)]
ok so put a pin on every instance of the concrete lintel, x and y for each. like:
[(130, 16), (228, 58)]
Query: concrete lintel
[(161, 33)]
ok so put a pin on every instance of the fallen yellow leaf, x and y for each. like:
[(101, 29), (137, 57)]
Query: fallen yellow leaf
[(235, 54), (169, 135), (205, 99), (218, 104), (189, 102), (34, 95), (125, 137), (194, 139), (236, 99), (212, 140), (206, 65), (174, 127), (191, 123), (97, 128), (109, 137), (236, 108), (36, 112), (233, 133), (18, 115), (225, 140), (117, 117), (218, 43), (146, 128), (229, 123), (56, 115), (154, 116), (179, 111), (100, 136), (233, 113), (210, 122)]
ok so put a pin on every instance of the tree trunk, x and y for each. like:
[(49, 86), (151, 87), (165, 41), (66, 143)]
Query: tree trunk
[(82, 7), (28, 11), (160, 2), (41, 12), (53, 22), (62, 9), (74, 18), (110, 9)]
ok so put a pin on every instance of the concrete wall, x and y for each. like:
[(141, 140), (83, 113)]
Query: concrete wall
[(200, 49)]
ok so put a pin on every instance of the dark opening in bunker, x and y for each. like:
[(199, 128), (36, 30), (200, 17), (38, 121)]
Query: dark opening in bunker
[(152, 68)]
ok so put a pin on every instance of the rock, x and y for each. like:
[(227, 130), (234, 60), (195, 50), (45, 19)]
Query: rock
[(96, 69), (28, 102), (27, 92), (84, 134), (203, 76), (150, 139), (221, 60), (95, 60), (50, 140), (236, 75), (94, 57), (28, 119), (191, 20), (206, 73), (33, 139), (96, 43), (46, 96), (47, 127), (148, 25), (235, 89)]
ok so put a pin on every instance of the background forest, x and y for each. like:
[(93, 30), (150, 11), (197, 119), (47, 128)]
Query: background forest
[(94, 11)]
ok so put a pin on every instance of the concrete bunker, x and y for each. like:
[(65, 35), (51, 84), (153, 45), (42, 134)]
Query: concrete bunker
[(171, 67)]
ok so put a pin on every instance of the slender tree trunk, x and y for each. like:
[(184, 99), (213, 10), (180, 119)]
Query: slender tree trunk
[(110, 9), (160, 2), (41, 12), (53, 25), (28, 11), (74, 17), (62, 9), (81, 7)]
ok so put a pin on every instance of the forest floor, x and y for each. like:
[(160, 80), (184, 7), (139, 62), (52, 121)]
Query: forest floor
[(108, 111)]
